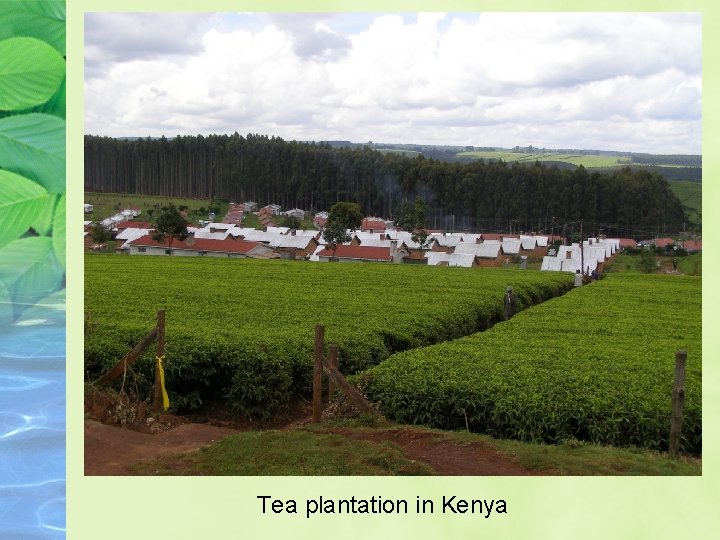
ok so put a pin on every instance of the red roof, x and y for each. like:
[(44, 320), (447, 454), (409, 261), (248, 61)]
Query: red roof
[(134, 225), (372, 224), (662, 242), (201, 244), (692, 245), (627, 242), (358, 252)]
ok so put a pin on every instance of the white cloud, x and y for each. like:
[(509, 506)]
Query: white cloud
[(631, 81)]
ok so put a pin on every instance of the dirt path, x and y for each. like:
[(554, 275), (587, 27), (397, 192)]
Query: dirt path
[(446, 457), (111, 450)]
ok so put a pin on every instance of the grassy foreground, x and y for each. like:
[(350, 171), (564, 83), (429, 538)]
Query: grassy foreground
[(315, 452)]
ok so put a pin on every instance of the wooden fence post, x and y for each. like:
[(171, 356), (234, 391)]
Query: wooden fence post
[(158, 390), (317, 372), (333, 361), (678, 398), (119, 368)]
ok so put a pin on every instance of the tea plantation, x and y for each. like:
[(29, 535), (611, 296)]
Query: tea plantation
[(596, 365), (242, 330)]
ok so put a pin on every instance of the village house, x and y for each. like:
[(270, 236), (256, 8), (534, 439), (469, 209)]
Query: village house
[(445, 242), (373, 225), (201, 247), (594, 256), (439, 258), (294, 246), (350, 253), (320, 220), (235, 214), (487, 254), (295, 213), (272, 209)]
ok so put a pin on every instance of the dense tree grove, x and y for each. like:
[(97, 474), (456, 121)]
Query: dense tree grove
[(478, 195)]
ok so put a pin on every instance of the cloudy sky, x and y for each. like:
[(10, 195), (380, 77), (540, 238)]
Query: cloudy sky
[(595, 81)]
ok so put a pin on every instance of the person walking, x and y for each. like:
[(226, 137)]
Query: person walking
[(510, 302), (578, 278)]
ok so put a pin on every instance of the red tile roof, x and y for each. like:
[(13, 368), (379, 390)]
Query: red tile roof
[(134, 224), (692, 245), (372, 224), (662, 242), (627, 242), (201, 244), (358, 252)]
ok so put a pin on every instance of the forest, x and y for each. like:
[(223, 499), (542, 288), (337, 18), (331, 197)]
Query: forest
[(480, 195)]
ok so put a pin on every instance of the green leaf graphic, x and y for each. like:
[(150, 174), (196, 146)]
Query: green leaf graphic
[(43, 223), (43, 20), (21, 202), (30, 73), (58, 236), (33, 145), (56, 104), (30, 271)]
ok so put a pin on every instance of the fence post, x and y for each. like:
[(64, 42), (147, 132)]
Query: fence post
[(158, 405), (678, 397), (333, 361), (317, 372)]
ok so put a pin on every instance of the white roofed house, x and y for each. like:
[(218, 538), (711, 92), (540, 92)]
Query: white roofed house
[(440, 258), (445, 242), (127, 235), (511, 246), (293, 246), (437, 258), (465, 260), (569, 259), (486, 254), (273, 209), (219, 227), (527, 243), (295, 213), (253, 235)]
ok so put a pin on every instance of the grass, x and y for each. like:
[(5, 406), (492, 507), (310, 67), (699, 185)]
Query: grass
[(314, 452), (690, 195), (690, 265), (588, 161), (288, 453), (576, 458), (108, 204)]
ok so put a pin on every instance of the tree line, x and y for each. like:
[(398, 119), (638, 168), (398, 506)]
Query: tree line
[(479, 195)]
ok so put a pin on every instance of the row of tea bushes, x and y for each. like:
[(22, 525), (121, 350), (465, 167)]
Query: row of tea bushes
[(596, 365), (243, 329)]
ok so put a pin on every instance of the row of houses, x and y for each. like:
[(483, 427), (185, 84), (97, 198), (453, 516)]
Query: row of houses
[(375, 241), (393, 246), (591, 256)]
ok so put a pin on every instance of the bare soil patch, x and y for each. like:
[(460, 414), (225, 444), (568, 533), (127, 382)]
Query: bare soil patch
[(446, 456), (119, 435)]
